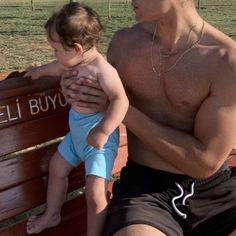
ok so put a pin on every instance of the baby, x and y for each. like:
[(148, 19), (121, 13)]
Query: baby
[(73, 32)]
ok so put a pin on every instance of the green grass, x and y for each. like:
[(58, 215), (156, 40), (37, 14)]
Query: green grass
[(22, 38)]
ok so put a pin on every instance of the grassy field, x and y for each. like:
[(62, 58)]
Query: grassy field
[(22, 38)]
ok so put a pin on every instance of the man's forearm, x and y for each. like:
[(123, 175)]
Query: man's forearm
[(180, 149)]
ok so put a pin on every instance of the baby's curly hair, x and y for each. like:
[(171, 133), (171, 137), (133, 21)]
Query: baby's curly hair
[(75, 23)]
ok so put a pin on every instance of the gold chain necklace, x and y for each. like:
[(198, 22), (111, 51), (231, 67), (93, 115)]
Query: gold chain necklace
[(157, 71)]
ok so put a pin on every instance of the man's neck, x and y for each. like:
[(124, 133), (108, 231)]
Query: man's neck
[(177, 30)]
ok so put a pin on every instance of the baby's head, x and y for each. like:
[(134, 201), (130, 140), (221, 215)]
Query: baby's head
[(74, 24)]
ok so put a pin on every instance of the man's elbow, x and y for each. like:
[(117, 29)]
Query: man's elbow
[(207, 169)]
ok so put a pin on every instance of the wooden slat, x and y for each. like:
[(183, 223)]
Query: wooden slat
[(232, 158), (123, 136), (10, 75), (25, 167), (29, 166), (35, 163), (120, 159), (20, 86), (3, 75), (21, 198), (20, 136), (23, 181), (73, 222), (19, 109), (26, 196)]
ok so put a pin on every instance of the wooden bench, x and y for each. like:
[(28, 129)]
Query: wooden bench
[(33, 120)]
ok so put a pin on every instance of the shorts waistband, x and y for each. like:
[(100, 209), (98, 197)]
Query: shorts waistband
[(223, 168), (168, 177)]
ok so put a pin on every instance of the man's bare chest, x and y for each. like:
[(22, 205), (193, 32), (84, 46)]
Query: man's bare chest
[(182, 89)]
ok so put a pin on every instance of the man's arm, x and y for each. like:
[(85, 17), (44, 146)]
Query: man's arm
[(201, 154)]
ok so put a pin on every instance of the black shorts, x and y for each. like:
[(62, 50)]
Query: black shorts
[(173, 203)]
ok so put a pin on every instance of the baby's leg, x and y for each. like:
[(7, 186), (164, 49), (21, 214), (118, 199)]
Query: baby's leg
[(59, 170), (96, 195), (98, 166)]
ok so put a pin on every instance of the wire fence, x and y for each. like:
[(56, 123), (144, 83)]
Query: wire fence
[(24, 26), (108, 6), (204, 3), (201, 3), (111, 5)]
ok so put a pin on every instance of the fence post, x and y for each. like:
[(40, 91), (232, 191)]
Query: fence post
[(32, 5), (198, 4), (109, 8)]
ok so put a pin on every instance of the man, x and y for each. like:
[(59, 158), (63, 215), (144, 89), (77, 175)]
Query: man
[(180, 76)]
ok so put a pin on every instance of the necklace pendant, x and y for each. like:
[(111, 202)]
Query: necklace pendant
[(157, 69)]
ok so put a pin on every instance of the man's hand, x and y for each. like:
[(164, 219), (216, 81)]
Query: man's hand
[(83, 92)]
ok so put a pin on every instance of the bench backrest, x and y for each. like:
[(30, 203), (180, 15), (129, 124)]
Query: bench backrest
[(33, 120)]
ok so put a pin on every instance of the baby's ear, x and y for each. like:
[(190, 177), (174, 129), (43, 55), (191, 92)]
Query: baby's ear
[(78, 48)]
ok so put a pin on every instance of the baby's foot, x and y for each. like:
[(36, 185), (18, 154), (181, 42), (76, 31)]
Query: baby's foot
[(36, 224)]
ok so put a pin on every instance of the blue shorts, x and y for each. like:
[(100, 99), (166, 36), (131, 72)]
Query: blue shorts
[(75, 149)]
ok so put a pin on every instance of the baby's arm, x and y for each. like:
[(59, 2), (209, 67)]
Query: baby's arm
[(118, 106), (51, 69)]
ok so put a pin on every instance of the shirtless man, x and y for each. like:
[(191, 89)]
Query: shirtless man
[(180, 76)]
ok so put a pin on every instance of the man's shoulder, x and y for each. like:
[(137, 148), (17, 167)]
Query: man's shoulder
[(218, 53), (120, 43), (219, 42), (219, 49), (125, 33), (224, 68), (226, 57)]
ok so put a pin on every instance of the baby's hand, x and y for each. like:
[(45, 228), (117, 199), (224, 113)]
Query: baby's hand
[(34, 71), (97, 138)]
